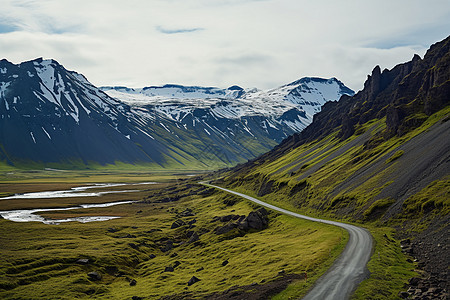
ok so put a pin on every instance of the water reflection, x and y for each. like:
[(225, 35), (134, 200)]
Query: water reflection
[(75, 192), (30, 215)]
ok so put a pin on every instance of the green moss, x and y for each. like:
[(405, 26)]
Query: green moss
[(378, 206), (41, 258), (395, 156), (346, 187), (389, 270), (435, 197)]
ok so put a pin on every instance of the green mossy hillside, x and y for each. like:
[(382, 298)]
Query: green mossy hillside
[(132, 253), (359, 179)]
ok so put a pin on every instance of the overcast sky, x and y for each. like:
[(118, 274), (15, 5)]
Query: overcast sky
[(251, 43)]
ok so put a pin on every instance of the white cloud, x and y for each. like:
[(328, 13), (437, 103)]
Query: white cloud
[(262, 43)]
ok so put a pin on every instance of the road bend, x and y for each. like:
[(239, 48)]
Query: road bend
[(348, 270)]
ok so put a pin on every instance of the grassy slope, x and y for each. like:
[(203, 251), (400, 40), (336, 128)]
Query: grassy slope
[(40, 259), (310, 179)]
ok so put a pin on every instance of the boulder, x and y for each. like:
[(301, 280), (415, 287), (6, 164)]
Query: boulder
[(94, 276), (257, 219), (186, 213), (83, 261), (403, 295), (133, 282), (168, 246), (193, 280), (194, 237), (226, 218), (134, 246), (414, 281), (177, 223), (224, 263), (226, 228)]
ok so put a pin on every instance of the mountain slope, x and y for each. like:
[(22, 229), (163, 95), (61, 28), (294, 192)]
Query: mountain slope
[(380, 157), (54, 117), (49, 114)]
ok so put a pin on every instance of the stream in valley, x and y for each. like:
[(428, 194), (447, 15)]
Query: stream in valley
[(31, 215)]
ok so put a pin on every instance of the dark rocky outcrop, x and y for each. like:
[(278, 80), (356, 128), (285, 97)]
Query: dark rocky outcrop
[(193, 280), (166, 245), (95, 276), (194, 238), (256, 220), (253, 291), (177, 223), (401, 95), (430, 250), (134, 246), (186, 213)]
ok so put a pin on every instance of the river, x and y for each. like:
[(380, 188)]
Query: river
[(31, 215)]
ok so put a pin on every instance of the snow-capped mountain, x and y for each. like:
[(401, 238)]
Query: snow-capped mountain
[(288, 109), (52, 116)]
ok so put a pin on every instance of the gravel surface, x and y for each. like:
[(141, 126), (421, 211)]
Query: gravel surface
[(348, 270)]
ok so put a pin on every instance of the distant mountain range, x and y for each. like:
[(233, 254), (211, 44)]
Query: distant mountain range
[(288, 108), (50, 116)]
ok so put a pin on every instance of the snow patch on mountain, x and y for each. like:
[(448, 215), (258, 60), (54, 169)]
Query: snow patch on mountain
[(61, 116), (175, 102)]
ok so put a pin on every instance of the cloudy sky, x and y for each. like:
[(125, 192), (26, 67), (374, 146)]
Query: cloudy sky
[(252, 43)]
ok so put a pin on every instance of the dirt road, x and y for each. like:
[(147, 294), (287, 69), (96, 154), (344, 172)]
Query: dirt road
[(348, 270)]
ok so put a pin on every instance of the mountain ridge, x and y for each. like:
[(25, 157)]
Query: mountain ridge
[(52, 116)]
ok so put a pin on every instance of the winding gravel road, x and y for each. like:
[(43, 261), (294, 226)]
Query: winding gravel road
[(348, 270)]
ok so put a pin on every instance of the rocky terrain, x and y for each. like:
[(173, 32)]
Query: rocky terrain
[(380, 157)]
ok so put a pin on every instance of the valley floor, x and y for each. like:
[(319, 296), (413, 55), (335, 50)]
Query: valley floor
[(177, 231)]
